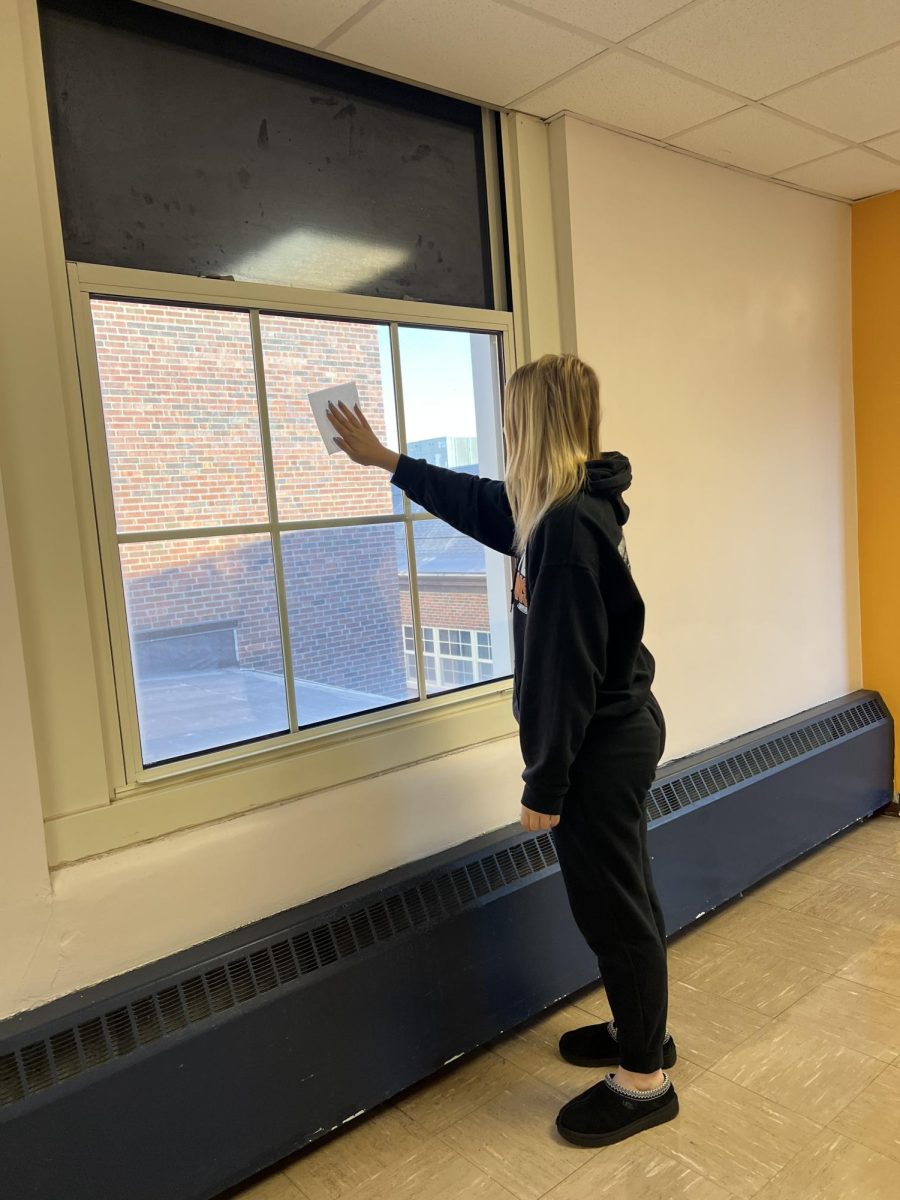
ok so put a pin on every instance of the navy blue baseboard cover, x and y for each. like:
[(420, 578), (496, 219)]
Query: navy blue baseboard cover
[(180, 1079)]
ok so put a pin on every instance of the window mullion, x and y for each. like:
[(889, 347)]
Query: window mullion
[(415, 611), (274, 530)]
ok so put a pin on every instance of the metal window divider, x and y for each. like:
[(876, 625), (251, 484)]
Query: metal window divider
[(207, 531), (408, 525), (274, 529)]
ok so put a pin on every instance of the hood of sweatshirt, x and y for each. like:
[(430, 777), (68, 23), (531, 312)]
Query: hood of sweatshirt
[(609, 476)]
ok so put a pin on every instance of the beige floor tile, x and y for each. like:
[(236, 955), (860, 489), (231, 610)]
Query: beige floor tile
[(513, 1139), (833, 1168), (860, 1017), (878, 965), (731, 1136), (805, 939), (361, 1152), (694, 949), (632, 1170), (535, 1048), (452, 1093), (589, 997), (435, 1173), (787, 889), (594, 1005), (738, 919), (868, 871), (879, 837), (882, 848), (830, 860), (852, 907), (684, 1071), (802, 1069), (273, 1187), (770, 985), (873, 1117), (706, 1026)]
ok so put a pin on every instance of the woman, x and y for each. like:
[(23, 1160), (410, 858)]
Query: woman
[(591, 731)]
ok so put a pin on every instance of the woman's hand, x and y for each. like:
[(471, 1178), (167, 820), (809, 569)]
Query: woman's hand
[(534, 822), (358, 440)]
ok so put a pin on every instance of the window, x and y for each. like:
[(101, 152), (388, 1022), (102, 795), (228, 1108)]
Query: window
[(453, 657), (264, 587)]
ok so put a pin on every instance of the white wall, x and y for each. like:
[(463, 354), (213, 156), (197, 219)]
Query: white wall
[(24, 879), (716, 310)]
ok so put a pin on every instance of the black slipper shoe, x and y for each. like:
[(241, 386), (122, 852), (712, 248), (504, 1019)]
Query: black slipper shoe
[(597, 1046), (607, 1113)]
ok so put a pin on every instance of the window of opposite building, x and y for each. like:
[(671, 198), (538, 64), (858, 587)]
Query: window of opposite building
[(259, 588)]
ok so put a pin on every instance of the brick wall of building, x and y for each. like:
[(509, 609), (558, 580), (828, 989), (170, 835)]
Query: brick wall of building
[(449, 609)]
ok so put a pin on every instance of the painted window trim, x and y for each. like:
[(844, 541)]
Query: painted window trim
[(393, 738)]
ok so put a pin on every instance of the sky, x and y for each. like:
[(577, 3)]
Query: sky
[(437, 381)]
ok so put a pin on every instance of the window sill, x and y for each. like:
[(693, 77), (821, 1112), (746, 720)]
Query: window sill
[(201, 794)]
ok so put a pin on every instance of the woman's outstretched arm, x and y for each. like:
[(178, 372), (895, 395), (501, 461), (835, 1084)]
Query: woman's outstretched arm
[(477, 507)]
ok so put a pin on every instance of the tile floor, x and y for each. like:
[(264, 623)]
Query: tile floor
[(786, 1009)]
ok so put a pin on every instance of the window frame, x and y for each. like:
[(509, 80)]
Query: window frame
[(130, 778)]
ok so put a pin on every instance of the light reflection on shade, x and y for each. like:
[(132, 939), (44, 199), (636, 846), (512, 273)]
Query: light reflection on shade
[(319, 259)]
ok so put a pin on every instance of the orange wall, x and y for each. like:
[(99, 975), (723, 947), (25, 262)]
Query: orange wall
[(876, 381)]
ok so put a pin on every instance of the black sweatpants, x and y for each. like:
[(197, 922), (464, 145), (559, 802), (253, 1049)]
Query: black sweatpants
[(601, 843)]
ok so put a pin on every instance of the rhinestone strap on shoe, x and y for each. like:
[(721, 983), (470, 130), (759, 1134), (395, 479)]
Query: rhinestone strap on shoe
[(614, 1033), (653, 1094)]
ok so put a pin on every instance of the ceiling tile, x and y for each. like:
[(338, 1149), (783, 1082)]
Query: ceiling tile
[(756, 47), (611, 19), (852, 173), (631, 93), (756, 140), (888, 145), (860, 102), (473, 47), (303, 24)]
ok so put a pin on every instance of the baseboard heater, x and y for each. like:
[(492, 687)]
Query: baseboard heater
[(180, 1079)]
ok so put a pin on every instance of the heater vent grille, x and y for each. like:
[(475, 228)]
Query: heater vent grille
[(700, 783), (33, 1067), (30, 1065)]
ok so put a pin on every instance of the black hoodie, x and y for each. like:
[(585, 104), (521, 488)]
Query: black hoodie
[(578, 617)]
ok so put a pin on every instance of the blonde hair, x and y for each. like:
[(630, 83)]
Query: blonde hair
[(552, 424)]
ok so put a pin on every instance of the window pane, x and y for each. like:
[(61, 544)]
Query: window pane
[(456, 672), (302, 355), (183, 146), (348, 599), (182, 425), (205, 643), (451, 387), (462, 593)]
